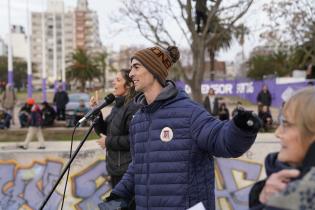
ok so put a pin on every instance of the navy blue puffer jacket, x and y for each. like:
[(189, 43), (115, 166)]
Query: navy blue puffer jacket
[(174, 169)]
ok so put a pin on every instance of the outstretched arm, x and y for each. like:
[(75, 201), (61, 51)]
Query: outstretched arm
[(223, 139)]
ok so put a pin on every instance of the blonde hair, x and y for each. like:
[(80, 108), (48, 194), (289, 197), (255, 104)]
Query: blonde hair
[(302, 107)]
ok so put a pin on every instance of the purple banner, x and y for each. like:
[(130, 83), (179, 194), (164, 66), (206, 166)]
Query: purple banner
[(248, 89)]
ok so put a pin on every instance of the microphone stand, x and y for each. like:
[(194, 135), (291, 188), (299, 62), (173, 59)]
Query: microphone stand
[(67, 166)]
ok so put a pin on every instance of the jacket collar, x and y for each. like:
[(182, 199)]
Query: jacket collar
[(119, 101), (309, 160), (168, 92)]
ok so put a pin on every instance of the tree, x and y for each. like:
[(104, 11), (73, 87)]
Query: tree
[(82, 68), (101, 63), (19, 71), (292, 24), (240, 33), (263, 65), (156, 20), (221, 39)]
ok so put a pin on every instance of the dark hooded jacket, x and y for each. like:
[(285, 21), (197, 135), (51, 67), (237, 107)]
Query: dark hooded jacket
[(173, 141), (116, 128)]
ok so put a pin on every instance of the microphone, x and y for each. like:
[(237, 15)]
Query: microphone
[(107, 101)]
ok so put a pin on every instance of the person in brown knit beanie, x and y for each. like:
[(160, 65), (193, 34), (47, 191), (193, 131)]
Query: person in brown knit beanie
[(158, 61), (172, 140)]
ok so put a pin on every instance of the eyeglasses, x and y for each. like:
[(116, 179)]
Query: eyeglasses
[(284, 124)]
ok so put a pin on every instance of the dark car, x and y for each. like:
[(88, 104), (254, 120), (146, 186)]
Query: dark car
[(73, 105)]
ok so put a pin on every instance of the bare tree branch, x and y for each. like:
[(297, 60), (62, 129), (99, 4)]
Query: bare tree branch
[(184, 32)]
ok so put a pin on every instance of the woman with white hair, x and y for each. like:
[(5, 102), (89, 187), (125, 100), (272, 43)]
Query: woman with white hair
[(294, 163)]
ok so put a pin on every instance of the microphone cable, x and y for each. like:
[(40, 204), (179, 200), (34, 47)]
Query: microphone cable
[(65, 188)]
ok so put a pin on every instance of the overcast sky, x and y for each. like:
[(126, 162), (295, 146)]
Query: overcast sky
[(106, 8)]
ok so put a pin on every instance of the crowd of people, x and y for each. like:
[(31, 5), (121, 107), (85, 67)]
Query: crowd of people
[(160, 145), (217, 107), (35, 116)]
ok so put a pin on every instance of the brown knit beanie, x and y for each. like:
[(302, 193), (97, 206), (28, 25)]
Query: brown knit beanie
[(157, 60)]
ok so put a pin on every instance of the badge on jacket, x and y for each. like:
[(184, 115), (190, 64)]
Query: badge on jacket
[(166, 134)]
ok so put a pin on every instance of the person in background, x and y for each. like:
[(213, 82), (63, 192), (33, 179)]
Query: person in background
[(224, 113), (264, 98), (211, 103), (35, 127), (173, 140), (295, 159), (5, 119), (285, 96), (201, 14), (25, 115), (49, 114), (114, 130), (9, 100), (266, 118), (310, 71), (2, 86), (60, 100), (239, 106), (79, 112)]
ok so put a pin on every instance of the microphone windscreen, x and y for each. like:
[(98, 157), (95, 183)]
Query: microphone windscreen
[(109, 98)]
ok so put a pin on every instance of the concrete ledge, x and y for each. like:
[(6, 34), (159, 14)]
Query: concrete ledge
[(52, 133)]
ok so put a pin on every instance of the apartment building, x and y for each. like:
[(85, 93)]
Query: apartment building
[(76, 28)]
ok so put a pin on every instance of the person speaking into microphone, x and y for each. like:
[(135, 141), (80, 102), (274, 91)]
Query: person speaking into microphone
[(114, 129)]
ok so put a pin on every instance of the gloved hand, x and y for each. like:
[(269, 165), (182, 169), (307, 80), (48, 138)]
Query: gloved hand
[(112, 196), (113, 202), (247, 121)]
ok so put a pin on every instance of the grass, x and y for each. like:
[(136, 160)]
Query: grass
[(60, 134), (37, 95)]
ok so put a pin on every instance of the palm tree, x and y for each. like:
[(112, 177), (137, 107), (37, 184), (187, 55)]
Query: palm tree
[(222, 38), (240, 32), (101, 63), (82, 68)]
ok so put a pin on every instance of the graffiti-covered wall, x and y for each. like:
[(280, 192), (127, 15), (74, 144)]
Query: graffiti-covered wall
[(27, 177)]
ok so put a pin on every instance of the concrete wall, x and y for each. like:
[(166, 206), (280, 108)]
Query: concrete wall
[(27, 176)]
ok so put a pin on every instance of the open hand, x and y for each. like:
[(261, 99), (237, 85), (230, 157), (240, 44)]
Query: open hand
[(93, 102), (102, 141), (277, 182)]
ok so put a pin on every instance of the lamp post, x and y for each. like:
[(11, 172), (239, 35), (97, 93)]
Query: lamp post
[(29, 51), (10, 59)]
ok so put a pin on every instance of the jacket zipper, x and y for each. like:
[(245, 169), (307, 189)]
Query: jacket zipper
[(119, 159), (148, 161)]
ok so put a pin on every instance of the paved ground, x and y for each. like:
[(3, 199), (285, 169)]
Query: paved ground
[(51, 146)]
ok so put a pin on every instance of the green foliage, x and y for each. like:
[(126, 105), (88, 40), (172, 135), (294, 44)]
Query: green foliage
[(82, 68), (101, 63), (19, 71), (275, 64)]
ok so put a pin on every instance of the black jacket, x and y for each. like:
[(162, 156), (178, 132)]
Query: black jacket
[(264, 98), (116, 128), (49, 115), (272, 165), (206, 104), (61, 99)]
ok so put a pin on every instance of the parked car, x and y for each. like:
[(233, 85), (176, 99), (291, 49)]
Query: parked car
[(73, 105)]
